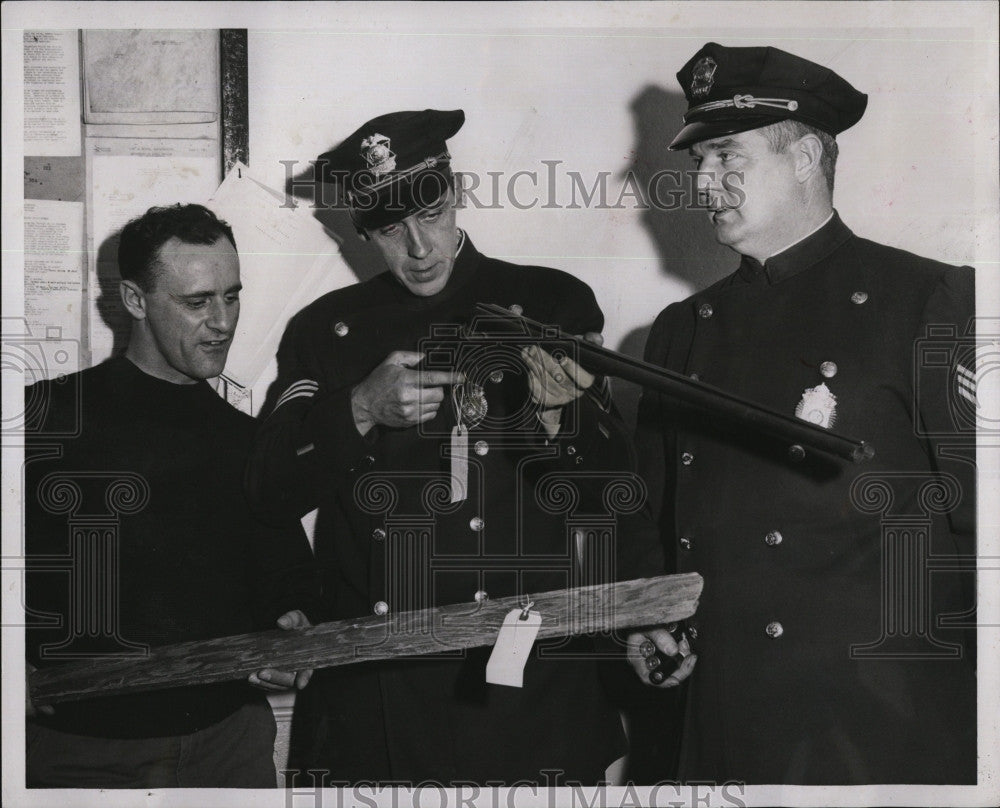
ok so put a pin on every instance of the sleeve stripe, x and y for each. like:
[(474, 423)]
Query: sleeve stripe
[(968, 396), (304, 388)]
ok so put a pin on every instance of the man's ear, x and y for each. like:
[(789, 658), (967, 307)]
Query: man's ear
[(808, 153), (133, 298)]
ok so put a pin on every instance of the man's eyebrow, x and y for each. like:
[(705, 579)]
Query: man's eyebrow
[(209, 292), (711, 145)]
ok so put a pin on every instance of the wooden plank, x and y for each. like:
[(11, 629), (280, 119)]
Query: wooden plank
[(462, 625)]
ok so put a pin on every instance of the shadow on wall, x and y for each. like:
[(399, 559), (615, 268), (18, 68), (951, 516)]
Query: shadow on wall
[(363, 261), (109, 302), (685, 244)]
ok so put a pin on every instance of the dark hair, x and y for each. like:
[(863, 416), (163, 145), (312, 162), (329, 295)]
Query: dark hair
[(141, 238), (781, 135)]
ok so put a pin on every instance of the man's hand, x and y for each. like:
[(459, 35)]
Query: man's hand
[(662, 639), (29, 708), (275, 680), (395, 395), (555, 383)]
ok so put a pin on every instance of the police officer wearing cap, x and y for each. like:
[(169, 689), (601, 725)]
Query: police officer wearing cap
[(828, 653), (447, 474)]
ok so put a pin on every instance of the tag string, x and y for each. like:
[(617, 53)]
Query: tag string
[(525, 610)]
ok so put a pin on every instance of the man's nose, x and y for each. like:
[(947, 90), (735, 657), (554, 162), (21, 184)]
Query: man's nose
[(417, 244), (222, 316)]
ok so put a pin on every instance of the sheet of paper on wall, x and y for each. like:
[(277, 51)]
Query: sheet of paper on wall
[(51, 94), (287, 260), (54, 269), (150, 76), (127, 178)]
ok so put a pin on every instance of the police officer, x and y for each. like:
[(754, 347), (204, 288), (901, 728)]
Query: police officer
[(446, 467), (821, 655)]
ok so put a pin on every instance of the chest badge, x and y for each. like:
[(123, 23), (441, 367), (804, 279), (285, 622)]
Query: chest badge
[(818, 406)]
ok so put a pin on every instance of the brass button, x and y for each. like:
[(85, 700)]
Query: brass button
[(482, 596), (705, 311), (341, 329), (796, 453), (476, 523), (381, 608), (516, 310), (828, 369), (774, 629), (774, 538), (368, 461), (571, 450), (692, 632), (859, 297), (687, 458), (481, 447), (694, 377), (378, 534), (684, 542), (496, 376)]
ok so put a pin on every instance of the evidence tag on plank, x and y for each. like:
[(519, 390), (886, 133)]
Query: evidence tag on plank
[(459, 463), (513, 647)]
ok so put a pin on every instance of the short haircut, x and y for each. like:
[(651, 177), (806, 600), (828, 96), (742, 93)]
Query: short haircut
[(141, 238), (782, 134)]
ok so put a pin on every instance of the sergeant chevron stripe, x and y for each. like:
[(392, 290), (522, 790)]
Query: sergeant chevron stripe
[(304, 388), (965, 382)]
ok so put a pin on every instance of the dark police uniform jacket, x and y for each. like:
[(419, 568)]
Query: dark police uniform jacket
[(389, 538), (829, 651)]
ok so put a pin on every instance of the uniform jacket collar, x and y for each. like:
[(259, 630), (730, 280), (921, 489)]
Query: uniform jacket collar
[(802, 255)]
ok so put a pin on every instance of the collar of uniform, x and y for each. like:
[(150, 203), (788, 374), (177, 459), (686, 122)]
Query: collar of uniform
[(801, 255)]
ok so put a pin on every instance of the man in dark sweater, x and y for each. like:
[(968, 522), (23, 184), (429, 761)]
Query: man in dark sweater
[(133, 486)]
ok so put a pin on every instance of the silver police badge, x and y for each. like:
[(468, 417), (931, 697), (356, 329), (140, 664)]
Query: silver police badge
[(818, 406), (703, 76), (377, 154)]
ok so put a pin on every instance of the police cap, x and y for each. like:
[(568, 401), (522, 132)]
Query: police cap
[(394, 165), (733, 90)]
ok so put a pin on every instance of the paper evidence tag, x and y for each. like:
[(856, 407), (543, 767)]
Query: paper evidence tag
[(459, 463), (513, 647)]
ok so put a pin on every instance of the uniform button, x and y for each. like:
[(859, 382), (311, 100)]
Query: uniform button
[(687, 458), (796, 453), (692, 632), (341, 329), (579, 459), (774, 629), (476, 523), (774, 538), (694, 376), (481, 447), (496, 376), (828, 369), (684, 542), (368, 461), (378, 534), (516, 310), (482, 596), (705, 311), (381, 608), (571, 450), (859, 298)]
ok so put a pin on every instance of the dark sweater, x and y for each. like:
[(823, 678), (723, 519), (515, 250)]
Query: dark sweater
[(192, 562)]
